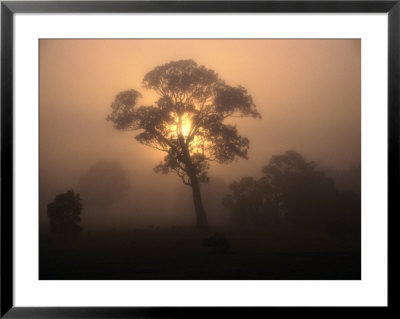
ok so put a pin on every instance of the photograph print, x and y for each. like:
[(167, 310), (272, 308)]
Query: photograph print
[(199, 159)]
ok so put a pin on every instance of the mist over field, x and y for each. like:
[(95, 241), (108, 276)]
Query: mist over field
[(306, 91)]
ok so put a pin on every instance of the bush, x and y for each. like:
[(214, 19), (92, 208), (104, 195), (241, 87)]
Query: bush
[(217, 242), (64, 213)]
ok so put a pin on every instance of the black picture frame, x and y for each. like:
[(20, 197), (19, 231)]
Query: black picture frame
[(9, 8)]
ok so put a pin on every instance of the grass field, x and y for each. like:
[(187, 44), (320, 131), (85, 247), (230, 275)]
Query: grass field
[(181, 254)]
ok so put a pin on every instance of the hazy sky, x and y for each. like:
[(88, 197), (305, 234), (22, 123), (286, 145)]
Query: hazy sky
[(307, 91)]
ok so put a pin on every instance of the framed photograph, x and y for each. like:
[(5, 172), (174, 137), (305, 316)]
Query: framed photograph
[(196, 158)]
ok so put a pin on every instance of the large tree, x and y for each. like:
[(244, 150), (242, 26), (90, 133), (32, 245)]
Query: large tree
[(187, 122)]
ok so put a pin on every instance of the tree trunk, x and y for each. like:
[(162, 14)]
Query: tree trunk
[(201, 218)]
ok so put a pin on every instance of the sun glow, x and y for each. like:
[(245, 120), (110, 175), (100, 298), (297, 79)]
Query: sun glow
[(181, 127), (186, 126)]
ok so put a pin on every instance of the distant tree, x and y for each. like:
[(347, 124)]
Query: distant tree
[(103, 184), (187, 122), (308, 195), (291, 191), (252, 203), (64, 213)]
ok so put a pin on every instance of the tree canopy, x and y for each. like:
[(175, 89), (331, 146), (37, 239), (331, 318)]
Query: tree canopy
[(293, 192), (308, 194), (64, 213), (187, 120), (251, 203)]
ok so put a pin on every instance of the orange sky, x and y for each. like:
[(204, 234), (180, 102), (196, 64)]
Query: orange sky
[(307, 91)]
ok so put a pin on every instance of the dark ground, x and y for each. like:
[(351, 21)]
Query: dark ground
[(180, 253)]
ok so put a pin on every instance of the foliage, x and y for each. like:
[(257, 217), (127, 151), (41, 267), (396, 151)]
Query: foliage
[(64, 213), (293, 192), (308, 194), (217, 242), (187, 121), (252, 202)]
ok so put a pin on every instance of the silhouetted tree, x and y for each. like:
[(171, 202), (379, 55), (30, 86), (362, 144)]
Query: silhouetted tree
[(252, 203), (187, 122), (103, 184), (293, 192), (309, 196), (64, 213)]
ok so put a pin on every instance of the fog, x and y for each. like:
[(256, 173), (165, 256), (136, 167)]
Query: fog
[(308, 93)]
